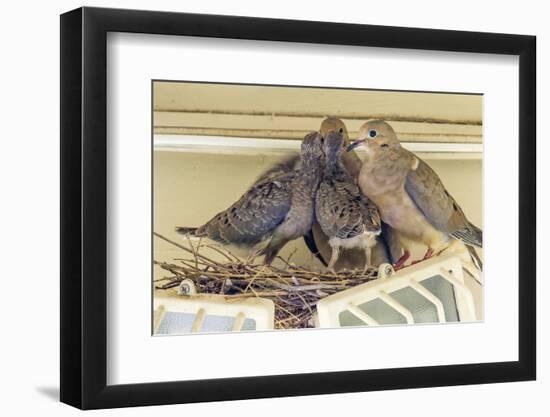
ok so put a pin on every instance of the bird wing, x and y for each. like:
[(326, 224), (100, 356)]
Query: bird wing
[(285, 166), (425, 188), (343, 211), (255, 215)]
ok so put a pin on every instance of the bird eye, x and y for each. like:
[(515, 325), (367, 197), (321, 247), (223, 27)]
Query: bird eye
[(373, 133), (341, 130)]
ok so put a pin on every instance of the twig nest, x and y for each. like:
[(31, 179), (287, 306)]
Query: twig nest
[(295, 290)]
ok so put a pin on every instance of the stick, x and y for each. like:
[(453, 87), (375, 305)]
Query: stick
[(184, 248)]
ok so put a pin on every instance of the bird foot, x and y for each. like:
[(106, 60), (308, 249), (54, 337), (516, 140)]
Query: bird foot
[(429, 253), (401, 261)]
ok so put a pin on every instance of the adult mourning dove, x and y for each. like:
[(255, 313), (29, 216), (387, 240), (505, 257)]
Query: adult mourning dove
[(316, 240), (346, 216), (410, 196), (273, 211)]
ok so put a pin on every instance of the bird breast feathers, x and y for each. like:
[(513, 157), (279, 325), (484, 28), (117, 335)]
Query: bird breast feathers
[(363, 240)]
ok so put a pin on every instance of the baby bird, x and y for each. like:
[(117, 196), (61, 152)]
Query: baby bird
[(316, 240), (351, 161), (410, 195), (274, 211), (346, 216)]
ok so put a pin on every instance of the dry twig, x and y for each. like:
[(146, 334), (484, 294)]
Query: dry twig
[(294, 290)]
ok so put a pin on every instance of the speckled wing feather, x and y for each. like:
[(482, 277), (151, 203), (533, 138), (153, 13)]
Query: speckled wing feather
[(343, 211), (440, 208), (289, 164), (255, 215)]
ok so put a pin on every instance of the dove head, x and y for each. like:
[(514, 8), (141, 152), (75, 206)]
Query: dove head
[(332, 124), (376, 137), (312, 151)]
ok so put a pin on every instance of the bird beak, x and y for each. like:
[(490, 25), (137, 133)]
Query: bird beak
[(355, 144), (332, 133)]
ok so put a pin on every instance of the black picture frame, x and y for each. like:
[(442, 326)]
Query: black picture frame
[(84, 207)]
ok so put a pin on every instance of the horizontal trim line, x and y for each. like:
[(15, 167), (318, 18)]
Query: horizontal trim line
[(217, 143), (324, 87), (386, 117), (292, 132)]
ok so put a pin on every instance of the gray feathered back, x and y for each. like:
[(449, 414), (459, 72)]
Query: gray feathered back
[(246, 222), (438, 206)]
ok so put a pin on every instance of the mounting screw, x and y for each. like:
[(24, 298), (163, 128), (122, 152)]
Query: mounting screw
[(385, 271), (187, 287)]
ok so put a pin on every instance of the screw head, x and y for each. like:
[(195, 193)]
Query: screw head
[(187, 287), (385, 271)]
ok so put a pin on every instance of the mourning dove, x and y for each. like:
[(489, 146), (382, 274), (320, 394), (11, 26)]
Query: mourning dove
[(316, 240), (346, 216), (330, 124), (409, 195), (273, 211)]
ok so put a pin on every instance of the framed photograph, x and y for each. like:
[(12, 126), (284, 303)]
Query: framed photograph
[(257, 208)]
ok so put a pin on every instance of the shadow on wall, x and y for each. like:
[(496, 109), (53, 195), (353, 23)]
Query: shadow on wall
[(49, 392)]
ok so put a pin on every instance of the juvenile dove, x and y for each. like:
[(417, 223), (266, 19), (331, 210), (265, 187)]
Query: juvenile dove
[(346, 216), (273, 211), (410, 196), (316, 240), (330, 124)]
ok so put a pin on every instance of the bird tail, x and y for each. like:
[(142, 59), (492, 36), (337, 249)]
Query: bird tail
[(186, 230), (476, 260), (470, 235), (312, 246)]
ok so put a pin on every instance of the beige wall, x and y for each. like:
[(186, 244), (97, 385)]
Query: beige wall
[(259, 111)]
